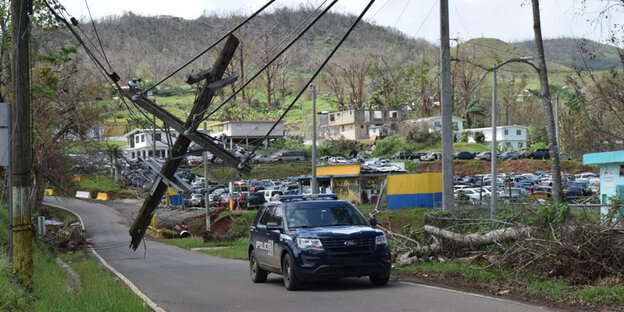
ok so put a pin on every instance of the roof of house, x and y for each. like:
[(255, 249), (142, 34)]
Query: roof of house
[(430, 118), (498, 127), (603, 158), (244, 121), (149, 131)]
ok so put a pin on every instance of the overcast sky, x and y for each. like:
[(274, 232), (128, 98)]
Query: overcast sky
[(509, 20)]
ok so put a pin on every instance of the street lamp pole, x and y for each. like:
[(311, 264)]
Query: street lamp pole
[(313, 182), (494, 157), (557, 135)]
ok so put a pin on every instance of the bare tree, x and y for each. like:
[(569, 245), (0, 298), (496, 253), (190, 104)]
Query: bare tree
[(546, 101)]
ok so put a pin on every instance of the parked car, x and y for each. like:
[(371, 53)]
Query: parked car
[(288, 156), (540, 154), (402, 155), (484, 156), (431, 156), (337, 160), (464, 155), (250, 200), (565, 156), (269, 195), (262, 159), (196, 200), (509, 155)]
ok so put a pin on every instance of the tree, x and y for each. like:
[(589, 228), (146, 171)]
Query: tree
[(473, 109), (479, 137), (114, 153), (509, 90), (546, 101)]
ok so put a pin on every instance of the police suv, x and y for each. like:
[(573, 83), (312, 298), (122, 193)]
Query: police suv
[(310, 238)]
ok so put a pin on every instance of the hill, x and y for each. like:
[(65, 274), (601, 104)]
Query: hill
[(489, 51), (152, 47), (577, 53)]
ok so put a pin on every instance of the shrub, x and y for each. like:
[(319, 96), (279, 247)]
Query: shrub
[(389, 146), (479, 137), (464, 136)]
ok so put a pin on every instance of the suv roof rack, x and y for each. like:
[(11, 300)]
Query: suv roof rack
[(284, 198)]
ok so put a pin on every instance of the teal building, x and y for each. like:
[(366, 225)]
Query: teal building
[(611, 176)]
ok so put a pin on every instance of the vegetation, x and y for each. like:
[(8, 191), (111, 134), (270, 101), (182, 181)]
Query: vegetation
[(100, 291), (101, 183)]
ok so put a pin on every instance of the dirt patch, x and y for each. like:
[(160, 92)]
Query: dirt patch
[(472, 167)]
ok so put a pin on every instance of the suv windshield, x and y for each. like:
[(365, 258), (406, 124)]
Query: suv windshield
[(307, 216)]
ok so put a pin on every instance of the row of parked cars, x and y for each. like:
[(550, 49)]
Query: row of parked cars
[(519, 187)]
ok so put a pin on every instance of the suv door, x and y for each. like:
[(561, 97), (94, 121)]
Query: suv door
[(260, 237), (273, 256)]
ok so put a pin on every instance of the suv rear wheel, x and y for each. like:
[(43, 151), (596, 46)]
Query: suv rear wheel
[(258, 275), (291, 281), (379, 280)]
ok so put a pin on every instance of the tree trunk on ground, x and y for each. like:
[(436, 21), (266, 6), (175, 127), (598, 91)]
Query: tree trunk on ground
[(546, 101), (457, 240)]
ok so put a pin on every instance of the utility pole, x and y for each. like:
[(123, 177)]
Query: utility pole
[(206, 202), (448, 201), (154, 136), (21, 162), (313, 182), (494, 157)]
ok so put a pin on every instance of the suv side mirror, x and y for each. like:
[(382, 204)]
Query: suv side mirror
[(372, 221), (273, 226)]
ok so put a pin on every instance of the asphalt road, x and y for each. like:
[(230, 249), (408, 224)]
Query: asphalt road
[(183, 280)]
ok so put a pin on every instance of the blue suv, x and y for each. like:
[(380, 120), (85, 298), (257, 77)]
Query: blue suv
[(313, 238)]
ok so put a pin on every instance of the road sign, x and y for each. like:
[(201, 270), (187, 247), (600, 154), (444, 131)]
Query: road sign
[(5, 144)]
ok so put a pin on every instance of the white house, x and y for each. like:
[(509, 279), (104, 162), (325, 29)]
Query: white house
[(359, 124), (140, 143), (512, 137), (245, 131), (435, 123)]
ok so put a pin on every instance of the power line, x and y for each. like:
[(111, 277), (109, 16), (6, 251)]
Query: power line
[(209, 47), (304, 88)]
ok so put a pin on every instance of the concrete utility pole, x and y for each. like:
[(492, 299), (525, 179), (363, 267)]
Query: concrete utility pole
[(21, 162), (206, 202), (313, 182), (494, 157), (557, 135), (448, 201)]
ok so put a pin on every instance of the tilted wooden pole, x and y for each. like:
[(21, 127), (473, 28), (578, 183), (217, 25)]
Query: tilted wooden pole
[(21, 161), (157, 189)]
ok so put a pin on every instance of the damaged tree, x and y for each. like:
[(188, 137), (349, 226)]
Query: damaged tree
[(454, 241)]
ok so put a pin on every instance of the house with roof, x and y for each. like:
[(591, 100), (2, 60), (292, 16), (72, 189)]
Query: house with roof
[(148, 143), (359, 124), (245, 132), (513, 137)]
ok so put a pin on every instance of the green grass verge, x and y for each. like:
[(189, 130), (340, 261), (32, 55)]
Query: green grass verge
[(224, 174), (195, 242), (100, 291), (101, 182), (554, 289), (237, 250)]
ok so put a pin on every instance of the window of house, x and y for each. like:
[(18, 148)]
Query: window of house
[(133, 155), (506, 132), (519, 132), (331, 117), (394, 114), (142, 137), (437, 124), (377, 115), (361, 126), (342, 128), (157, 137), (136, 139)]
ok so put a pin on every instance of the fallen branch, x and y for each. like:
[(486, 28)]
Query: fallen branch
[(457, 240)]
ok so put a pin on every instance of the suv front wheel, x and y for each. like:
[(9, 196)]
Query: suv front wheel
[(291, 281), (379, 280), (258, 275)]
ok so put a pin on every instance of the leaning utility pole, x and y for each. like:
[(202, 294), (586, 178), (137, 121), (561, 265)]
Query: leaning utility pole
[(448, 201), (21, 160)]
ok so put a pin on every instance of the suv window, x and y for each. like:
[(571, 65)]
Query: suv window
[(302, 216), (266, 216)]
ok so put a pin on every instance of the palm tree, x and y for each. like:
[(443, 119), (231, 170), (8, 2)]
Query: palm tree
[(473, 109), (113, 152)]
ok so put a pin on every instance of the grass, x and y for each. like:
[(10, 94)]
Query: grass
[(101, 183), (553, 289), (224, 173), (195, 242), (241, 220), (237, 250), (100, 291)]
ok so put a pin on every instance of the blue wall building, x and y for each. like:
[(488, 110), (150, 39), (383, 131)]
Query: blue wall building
[(611, 176)]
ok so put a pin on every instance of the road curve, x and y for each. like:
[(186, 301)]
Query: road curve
[(183, 280)]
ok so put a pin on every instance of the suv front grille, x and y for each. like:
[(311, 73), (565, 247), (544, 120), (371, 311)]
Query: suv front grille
[(346, 244)]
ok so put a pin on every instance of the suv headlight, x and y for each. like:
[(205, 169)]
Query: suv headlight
[(381, 240), (313, 243)]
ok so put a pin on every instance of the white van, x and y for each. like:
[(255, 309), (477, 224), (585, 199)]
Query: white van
[(269, 194), (288, 156)]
